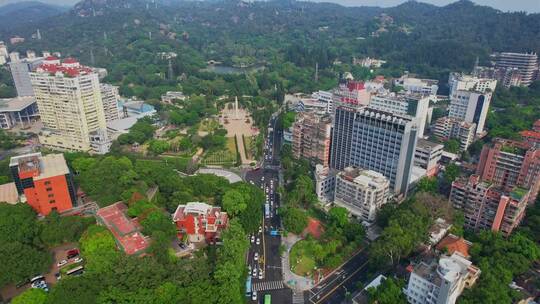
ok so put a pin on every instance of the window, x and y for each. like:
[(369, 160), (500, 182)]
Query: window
[(49, 189), (52, 202), (51, 195), (47, 183)]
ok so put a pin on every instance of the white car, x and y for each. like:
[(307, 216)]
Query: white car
[(258, 241), (254, 295), (256, 256), (61, 263), (254, 272), (260, 229), (261, 276), (78, 260), (253, 239)]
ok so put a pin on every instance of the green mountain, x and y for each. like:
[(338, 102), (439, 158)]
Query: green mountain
[(26, 13)]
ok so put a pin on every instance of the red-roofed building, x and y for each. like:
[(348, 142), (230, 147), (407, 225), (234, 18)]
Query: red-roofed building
[(352, 93), (126, 231), (200, 222), (452, 243)]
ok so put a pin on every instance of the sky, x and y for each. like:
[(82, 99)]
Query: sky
[(531, 6)]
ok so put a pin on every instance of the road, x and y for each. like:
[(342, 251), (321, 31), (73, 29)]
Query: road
[(269, 261)]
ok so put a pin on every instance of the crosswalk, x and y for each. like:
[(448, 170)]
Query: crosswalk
[(298, 298), (270, 285)]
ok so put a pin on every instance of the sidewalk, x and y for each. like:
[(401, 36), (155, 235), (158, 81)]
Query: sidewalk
[(292, 280)]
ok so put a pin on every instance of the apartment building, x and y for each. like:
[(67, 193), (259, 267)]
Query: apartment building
[(69, 99), (311, 137), (110, 97), (510, 163), (464, 82), (361, 192), (200, 222), (532, 136), (414, 105), (413, 85), (442, 281), (451, 128), (526, 63), (325, 98), (427, 156), (20, 72), (487, 206), (44, 182), (471, 107), (325, 183)]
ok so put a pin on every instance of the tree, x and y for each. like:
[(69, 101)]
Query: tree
[(99, 249), (234, 202), (452, 146), (156, 221), (159, 146), (31, 296), (56, 230), (294, 219), (427, 184), (339, 216), (389, 292)]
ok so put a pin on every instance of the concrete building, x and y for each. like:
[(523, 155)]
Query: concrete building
[(509, 163), (69, 99), (18, 111), (526, 63), (20, 72), (441, 282), (487, 206), (464, 82), (135, 108), (351, 93), (171, 96), (311, 137), (362, 192), (110, 97), (414, 105), (532, 136), (507, 77), (427, 156), (325, 183), (471, 107), (200, 222), (450, 128), (325, 97), (4, 50), (44, 182), (426, 87), (368, 62)]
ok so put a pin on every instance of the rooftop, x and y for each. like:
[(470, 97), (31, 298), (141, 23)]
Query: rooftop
[(16, 104), (426, 144), (69, 67), (8, 193), (452, 243), (196, 208), (48, 166)]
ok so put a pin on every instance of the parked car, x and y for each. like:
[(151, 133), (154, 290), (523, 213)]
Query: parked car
[(72, 253), (254, 295), (261, 276), (258, 241), (78, 260), (252, 239), (61, 263)]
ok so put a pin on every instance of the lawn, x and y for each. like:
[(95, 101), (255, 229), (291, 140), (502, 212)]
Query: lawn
[(223, 157), (301, 259), (249, 145)]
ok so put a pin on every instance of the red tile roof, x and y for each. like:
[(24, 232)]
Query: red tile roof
[(69, 66), (454, 243)]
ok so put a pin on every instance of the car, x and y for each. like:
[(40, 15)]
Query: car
[(37, 278), (254, 272), (258, 241), (256, 256), (261, 275), (260, 229), (61, 263), (254, 295), (253, 239), (72, 253), (78, 260), (58, 276)]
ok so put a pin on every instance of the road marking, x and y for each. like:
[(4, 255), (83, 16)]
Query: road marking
[(268, 285), (339, 285), (339, 268), (264, 245)]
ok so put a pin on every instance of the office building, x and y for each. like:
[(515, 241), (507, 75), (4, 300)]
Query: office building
[(510, 164), (110, 97), (485, 205), (375, 140), (126, 231), (526, 63), (19, 111), (200, 222), (464, 82), (427, 156), (68, 95), (325, 183), (311, 137), (44, 182), (414, 105), (471, 107), (20, 72), (507, 77), (441, 282), (451, 128), (425, 87), (361, 192), (351, 93)]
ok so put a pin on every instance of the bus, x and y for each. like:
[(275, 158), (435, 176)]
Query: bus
[(248, 286), (75, 271), (267, 210), (267, 299)]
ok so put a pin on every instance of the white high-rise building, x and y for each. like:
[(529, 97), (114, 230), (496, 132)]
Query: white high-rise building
[(527, 64), (428, 87), (110, 97), (442, 282), (362, 192), (471, 107), (414, 105), (464, 82), (70, 105), (20, 71)]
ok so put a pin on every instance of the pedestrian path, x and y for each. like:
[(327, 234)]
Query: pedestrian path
[(270, 285), (298, 298)]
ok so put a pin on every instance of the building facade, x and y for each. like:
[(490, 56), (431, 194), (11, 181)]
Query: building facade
[(361, 192), (325, 183), (464, 82), (451, 128), (110, 97), (200, 222), (509, 163), (44, 182), (488, 206), (20, 72), (471, 107), (441, 282), (425, 87), (311, 137), (427, 156), (70, 105), (414, 105), (526, 63), (18, 111)]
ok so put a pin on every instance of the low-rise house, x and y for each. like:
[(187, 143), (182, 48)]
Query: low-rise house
[(199, 222)]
